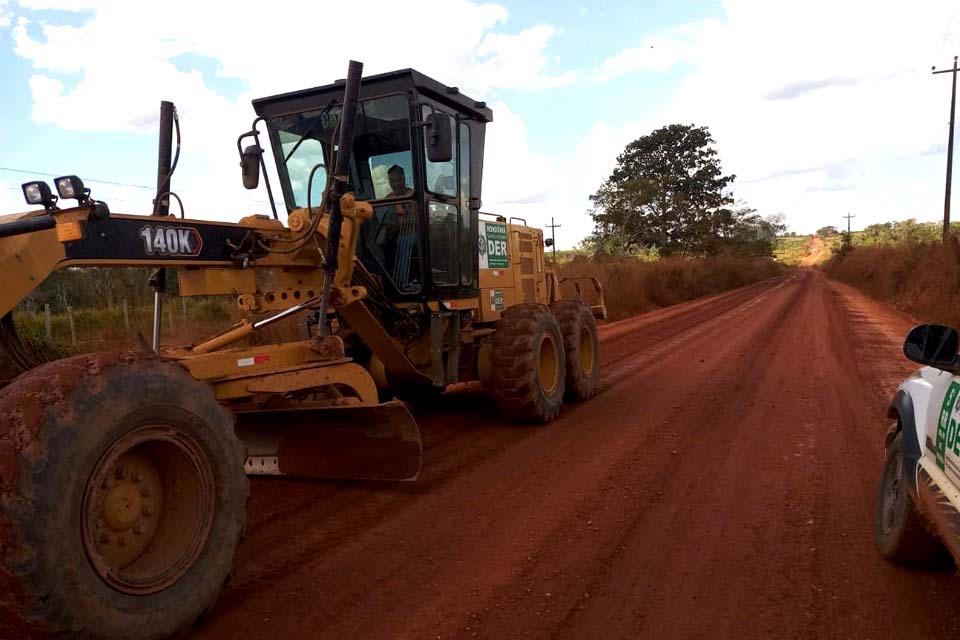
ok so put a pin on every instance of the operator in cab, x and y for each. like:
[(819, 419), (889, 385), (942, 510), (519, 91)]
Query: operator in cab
[(398, 183)]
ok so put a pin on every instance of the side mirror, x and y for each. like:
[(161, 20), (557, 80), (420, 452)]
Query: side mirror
[(250, 166), (548, 242), (933, 345), (439, 132)]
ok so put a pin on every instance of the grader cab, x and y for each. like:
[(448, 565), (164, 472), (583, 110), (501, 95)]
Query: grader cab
[(123, 475)]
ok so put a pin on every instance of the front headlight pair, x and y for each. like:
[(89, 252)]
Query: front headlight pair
[(69, 188)]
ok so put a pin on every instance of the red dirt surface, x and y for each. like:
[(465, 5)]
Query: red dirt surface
[(721, 484), (817, 252)]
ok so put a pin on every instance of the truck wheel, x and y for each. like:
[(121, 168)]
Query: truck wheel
[(527, 358), (122, 497), (581, 345), (901, 533)]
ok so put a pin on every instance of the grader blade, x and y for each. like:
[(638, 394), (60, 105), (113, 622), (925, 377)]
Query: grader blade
[(379, 442)]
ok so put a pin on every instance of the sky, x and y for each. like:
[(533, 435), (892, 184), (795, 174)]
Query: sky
[(820, 108)]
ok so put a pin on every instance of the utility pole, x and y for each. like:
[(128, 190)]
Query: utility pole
[(553, 237), (846, 243), (848, 216), (953, 107)]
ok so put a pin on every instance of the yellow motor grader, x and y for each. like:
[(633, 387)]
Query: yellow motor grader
[(123, 476)]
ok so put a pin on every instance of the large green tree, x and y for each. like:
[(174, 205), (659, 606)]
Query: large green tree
[(669, 191)]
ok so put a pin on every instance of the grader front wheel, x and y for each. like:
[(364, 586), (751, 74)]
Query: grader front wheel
[(122, 498), (528, 363)]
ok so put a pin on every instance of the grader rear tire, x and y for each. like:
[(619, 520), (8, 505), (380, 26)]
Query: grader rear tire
[(527, 359), (122, 498), (581, 346)]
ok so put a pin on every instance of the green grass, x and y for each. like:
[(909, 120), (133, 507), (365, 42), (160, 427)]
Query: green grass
[(789, 250)]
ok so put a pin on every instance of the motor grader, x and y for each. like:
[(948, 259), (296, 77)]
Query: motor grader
[(123, 475)]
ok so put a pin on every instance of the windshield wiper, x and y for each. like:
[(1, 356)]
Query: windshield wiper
[(309, 131)]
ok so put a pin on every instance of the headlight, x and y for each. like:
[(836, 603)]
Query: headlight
[(70, 187), (38, 193)]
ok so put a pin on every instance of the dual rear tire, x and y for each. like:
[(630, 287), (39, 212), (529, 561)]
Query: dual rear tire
[(541, 354)]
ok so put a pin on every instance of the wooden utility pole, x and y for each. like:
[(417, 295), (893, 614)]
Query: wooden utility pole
[(953, 108), (848, 217), (553, 237)]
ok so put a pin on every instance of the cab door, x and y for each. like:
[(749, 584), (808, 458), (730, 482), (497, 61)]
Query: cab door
[(450, 231)]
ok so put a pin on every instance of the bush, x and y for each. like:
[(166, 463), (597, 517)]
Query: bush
[(631, 287), (921, 280)]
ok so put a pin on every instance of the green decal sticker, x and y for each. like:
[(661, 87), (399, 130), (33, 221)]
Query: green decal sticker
[(493, 246), (496, 299), (947, 424)]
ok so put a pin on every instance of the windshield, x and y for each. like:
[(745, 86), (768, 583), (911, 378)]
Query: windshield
[(381, 165)]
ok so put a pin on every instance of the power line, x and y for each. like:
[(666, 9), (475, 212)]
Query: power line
[(121, 184), (54, 175)]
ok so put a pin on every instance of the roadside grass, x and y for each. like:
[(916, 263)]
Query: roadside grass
[(922, 279), (105, 328), (790, 250), (631, 287)]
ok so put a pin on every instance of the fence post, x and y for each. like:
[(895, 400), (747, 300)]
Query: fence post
[(183, 305), (126, 315), (47, 321), (73, 329)]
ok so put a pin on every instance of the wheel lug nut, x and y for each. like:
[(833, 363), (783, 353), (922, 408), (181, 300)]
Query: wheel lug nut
[(145, 492), (135, 477), (120, 473), (122, 541), (147, 512), (138, 530)]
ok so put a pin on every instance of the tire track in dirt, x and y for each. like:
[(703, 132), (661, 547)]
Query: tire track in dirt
[(722, 484)]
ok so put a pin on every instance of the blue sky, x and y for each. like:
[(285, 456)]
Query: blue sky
[(818, 110)]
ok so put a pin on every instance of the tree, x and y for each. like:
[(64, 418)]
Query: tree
[(668, 192), (826, 232)]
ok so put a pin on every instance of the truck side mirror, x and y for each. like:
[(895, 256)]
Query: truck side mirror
[(548, 242), (250, 166), (439, 132), (932, 345)]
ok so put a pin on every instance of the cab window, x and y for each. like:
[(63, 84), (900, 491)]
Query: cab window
[(381, 142), (441, 176)]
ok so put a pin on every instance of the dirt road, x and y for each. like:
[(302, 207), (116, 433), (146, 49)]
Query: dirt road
[(817, 252), (721, 485)]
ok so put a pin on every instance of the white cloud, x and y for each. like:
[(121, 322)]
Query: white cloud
[(517, 61), (658, 53), (110, 72), (792, 91), (6, 17), (800, 98)]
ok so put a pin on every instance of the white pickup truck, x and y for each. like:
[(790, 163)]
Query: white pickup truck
[(918, 506)]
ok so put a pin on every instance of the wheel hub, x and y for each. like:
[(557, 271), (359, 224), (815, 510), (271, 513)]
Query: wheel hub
[(893, 494), (148, 509), (586, 350), (122, 507), (549, 364)]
